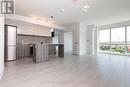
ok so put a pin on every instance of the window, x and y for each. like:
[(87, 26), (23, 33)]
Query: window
[(118, 40), (118, 35), (115, 44), (128, 39), (104, 40), (128, 49), (104, 36), (128, 35), (115, 40)]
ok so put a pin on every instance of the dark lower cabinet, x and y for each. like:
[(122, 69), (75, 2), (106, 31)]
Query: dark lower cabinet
[(22, 50)]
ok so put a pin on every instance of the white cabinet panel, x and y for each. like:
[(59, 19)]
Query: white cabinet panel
[(33, 31), (44, 32), (40, 32), (30, 29), (23, 29)]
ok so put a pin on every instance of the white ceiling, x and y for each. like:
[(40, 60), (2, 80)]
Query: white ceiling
[(99, 10)]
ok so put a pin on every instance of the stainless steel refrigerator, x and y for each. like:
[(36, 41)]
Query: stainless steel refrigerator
[(10, 42)]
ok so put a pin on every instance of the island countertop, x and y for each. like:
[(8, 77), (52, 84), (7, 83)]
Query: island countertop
[(55, 44)]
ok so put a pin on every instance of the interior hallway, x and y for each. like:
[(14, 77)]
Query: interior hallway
[(71, 71)]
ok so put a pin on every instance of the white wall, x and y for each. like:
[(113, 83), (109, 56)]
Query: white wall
[(95, 40), (68, 41), (58, 37), (74, 28), (55, 39), (61, 37), (83, 39), (79, 31), (1, 46)]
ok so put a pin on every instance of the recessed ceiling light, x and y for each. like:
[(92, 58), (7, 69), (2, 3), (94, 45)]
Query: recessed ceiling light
[(75, 0), (62, 10), (86, 7)]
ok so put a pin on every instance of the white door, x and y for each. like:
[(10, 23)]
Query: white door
[(68, 41), (89, 41), (75, 43)]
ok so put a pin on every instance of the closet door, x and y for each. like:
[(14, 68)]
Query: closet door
[(76, 42), (91, 45)]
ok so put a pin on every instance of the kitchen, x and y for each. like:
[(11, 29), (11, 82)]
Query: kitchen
[(28, 40)]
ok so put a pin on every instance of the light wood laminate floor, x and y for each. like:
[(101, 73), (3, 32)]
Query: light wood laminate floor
[(72, 71)]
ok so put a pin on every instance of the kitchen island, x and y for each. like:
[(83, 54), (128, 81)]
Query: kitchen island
[(60, 49)]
